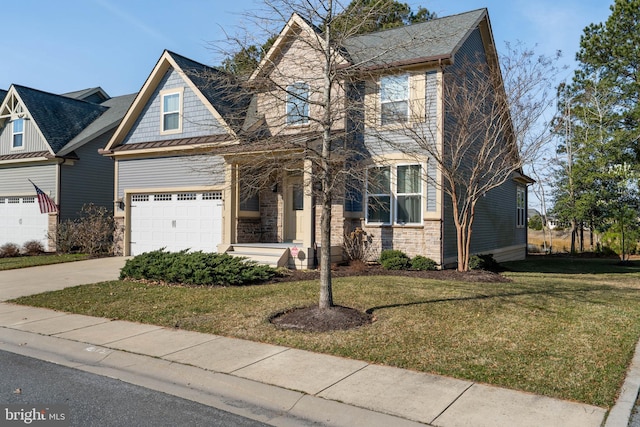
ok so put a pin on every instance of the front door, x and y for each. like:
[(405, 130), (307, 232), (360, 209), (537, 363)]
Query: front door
[(294, 209)]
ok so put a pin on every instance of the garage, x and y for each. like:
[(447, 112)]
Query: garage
[(176, 221), (22, 221)]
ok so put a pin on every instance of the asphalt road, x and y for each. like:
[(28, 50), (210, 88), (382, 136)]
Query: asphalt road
[(94, 400)]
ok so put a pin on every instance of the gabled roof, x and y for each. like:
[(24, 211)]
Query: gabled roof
[(217, 90), (220, 89), (292, 29), (59, 118), (93, 94), (428, 41), (117, 108)]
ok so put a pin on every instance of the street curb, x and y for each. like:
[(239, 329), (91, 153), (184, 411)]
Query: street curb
[(620, 414), (251, 399)]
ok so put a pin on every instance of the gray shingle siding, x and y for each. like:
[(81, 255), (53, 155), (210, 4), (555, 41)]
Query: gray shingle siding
[(197, 120), (170, 172)]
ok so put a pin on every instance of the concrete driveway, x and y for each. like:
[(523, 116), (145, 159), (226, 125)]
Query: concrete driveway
[(34, 280)]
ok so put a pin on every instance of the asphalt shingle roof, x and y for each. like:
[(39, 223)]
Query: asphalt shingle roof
[(428, 40), (59, 118), (3, 93), (117, 108), (220, 89)]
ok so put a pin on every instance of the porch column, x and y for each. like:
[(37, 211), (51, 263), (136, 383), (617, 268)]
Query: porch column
[(309, 216), (230, 204)]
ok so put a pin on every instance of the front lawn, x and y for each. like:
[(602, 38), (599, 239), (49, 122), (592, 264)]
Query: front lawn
[(32, 261), (567, 335)]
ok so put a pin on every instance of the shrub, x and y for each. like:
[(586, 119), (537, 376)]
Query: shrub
[(357, 245), (393, 259), (423, 263), (483, 262), (9, 250), (32, 247), (91, 234), (195, 268)]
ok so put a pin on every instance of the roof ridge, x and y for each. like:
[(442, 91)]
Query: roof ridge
[(430, 21)]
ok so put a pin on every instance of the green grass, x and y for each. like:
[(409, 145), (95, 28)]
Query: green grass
[(569, 335), (32, 261)]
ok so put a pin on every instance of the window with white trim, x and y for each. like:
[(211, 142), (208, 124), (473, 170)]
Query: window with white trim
[(394, 194), (521, 207), (379, 195), (17, 133), (298, 104), (409, 194), (394, 99), (171, 112)]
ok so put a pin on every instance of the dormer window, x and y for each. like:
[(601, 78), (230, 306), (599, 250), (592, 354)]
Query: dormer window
[(298, 104), (18, 134), (171, 103), (394, 99)]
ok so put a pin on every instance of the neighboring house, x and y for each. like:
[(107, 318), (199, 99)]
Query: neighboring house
[(52, 141), (180, 150)]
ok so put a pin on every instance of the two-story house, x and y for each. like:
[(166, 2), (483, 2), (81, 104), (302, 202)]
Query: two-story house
[(52, 141), (204, 162)]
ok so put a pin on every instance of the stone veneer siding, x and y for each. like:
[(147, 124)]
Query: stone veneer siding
[(118, 236), (52, 226), (411, 240)]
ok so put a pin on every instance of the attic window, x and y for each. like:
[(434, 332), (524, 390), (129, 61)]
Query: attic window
[(18, 133), (171, 104), (298, 104)]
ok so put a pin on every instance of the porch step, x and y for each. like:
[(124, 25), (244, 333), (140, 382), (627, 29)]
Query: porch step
[(274, 256)]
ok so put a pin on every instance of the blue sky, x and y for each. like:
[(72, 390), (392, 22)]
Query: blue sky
[(66, 45)]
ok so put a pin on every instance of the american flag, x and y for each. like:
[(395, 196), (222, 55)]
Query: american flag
[(46, 204)]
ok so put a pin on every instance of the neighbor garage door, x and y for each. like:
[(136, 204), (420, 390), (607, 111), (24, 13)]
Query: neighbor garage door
[(176, 221), (21, 221)]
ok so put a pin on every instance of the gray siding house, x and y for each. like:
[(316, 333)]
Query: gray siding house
[(52, 141), (182, 150)]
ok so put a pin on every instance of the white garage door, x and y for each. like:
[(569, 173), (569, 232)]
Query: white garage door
[(21, 221), (176, 221)]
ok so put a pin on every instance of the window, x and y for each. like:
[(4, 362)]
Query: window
[(18, 133), (353, 196), (401, 206), (409, 193), (298, 104), (394, 99), (521, 207), (171, 112), (379, 195)]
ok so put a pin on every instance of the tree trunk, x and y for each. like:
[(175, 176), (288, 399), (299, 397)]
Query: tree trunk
[(326, 292)]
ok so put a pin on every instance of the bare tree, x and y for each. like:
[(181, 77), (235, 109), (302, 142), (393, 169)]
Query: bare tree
[(306, 112), (492, 123)]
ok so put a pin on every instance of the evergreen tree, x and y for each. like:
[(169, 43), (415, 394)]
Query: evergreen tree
[(598, 123)]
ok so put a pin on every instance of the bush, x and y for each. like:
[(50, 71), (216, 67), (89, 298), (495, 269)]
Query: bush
[(483, 262), (535, 223), (423, 263), (32, 247), (9, 250), (393, 259), (91, 234), (195, 268), (357, 245)]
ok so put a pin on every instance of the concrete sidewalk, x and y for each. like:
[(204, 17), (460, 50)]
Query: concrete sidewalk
[(277, 385)]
